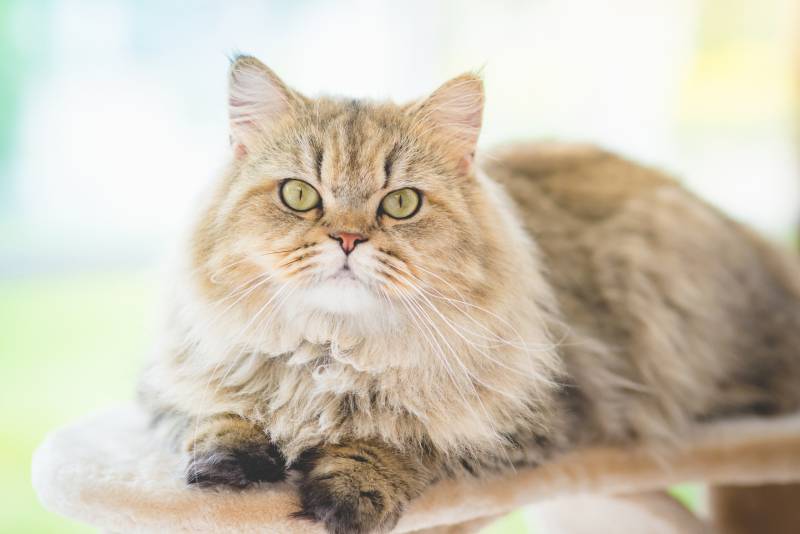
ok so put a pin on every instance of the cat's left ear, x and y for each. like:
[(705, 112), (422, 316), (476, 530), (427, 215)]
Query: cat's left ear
[(454, 112), (257, 100)]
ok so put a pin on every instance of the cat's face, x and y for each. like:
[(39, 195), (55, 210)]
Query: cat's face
[(346, 207)]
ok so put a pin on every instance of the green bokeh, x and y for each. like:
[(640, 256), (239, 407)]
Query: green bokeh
[(68, 346)]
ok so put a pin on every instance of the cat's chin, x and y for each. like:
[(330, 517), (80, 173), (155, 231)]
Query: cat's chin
[(342, 293)]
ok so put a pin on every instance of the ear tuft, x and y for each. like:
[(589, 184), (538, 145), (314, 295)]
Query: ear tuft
[(257, 99), (455, 110)]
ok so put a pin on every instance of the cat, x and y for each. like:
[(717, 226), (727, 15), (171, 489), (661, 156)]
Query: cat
[(368, 306)]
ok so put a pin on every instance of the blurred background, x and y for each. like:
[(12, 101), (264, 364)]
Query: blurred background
[(113, 119)]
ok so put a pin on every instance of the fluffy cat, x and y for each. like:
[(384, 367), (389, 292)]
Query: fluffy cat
[(366, 305)]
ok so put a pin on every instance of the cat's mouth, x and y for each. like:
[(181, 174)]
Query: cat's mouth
[(345, 274), (342, 291)]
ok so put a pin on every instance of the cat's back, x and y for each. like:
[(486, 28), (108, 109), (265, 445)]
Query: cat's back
[(699, 309), (571, 180), (583, 192), (581, 200)]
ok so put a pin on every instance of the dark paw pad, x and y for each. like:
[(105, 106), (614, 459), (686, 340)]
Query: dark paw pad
[(236, 468)]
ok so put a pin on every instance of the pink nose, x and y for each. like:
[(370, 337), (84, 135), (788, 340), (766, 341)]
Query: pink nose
[(348, 240)]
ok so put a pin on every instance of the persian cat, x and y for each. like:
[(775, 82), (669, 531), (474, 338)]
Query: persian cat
[(365, 304)]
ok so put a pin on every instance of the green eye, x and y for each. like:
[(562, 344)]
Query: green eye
[(401, 204), (299, 195)]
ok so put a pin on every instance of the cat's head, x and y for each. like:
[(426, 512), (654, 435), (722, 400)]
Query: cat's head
[(347, 207)]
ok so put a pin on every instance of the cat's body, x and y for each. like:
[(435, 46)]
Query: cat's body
[(587, 300), (696, 313)]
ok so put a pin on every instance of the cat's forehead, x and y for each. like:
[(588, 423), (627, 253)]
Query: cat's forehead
[(357, 145)]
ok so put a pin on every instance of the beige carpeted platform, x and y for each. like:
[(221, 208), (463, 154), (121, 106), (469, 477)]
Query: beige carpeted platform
[(105, 470)]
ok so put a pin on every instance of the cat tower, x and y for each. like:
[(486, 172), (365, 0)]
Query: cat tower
[(106, 471)]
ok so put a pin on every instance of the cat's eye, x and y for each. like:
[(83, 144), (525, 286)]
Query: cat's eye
[(299, 195), (401, 204)]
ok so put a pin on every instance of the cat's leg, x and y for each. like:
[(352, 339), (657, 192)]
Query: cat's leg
[(359, 486), (227, 450)]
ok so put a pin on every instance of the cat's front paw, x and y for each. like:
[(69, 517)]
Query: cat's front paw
[(229, 451), (354, 489), (236, 467)]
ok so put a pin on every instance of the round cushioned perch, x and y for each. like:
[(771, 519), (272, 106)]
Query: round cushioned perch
[(107, 471)]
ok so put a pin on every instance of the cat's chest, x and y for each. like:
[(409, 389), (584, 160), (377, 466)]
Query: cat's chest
[(331, 370)]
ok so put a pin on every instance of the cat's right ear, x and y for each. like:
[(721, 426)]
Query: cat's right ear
[(257, 99)]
